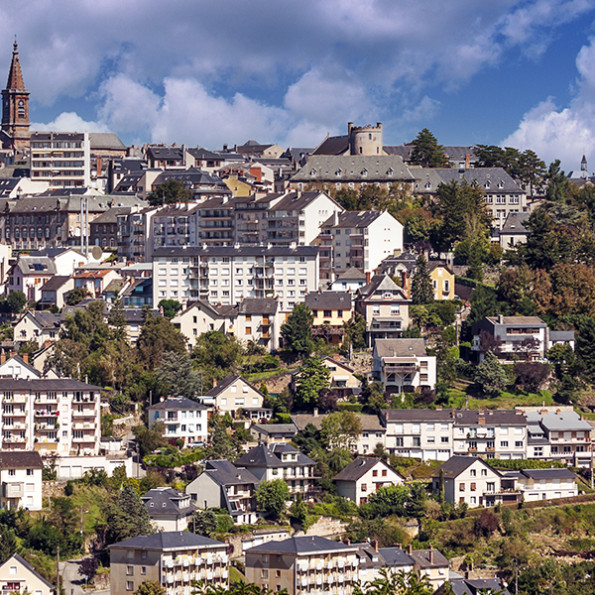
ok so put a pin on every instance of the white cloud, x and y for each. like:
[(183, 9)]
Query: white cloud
[(70, 122)]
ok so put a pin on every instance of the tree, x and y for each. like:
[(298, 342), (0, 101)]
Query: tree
[(297, 331), (157, 336), (396, 583), (205, 522), (531, 375), (387, 500), (88, 568), (126, 517), (170, 308), (422, 291), (149, 439), (311, 381), (176, 375), (150, 588), (490, 375), (427, 152), (216, 354), (483, 303), (76, 295), (355, 332), (16, 301), (271, 497), (341, 430), (169, 192), (234, 589)]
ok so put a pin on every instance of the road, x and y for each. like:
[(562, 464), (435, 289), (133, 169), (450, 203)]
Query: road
[(71, 580)]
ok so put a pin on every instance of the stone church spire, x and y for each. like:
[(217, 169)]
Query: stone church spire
[(15, 75), (14, 131)]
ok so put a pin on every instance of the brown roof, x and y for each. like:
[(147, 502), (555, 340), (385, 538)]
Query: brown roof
[(20, 460), (15, 75)]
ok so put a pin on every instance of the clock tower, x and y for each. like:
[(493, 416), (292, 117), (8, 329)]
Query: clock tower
[(15, 107)]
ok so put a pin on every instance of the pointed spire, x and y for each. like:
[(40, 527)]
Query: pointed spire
[(15, 76)]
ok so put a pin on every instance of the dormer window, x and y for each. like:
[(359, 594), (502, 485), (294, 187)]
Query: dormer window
[(390, 171), (487, 184), (500, 184), (312, 172), (339, 172), (364, 172)]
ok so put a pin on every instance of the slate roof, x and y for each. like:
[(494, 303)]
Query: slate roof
[(561, 336), (352, 274), (165, 152), (176, 403), (517, 321), (201, 153), (381, 283), (45, 319), (501, 417), (328, 300), (395, 556), (356, 168), (296, 201), (422, 558), (55, 282), (354, 219), (106, 141), (301, 545), (556, 422), (20, 460), (168, 540), (359, 467), (464, 586), (333, 145), (400, 348), (452, 468), (548, 473), (514, 224), (421, 415), (270, 456), (224, 384), (494, 176), (36, 265), (165, 501), (286, 429), (111, 215), (225, 473), (7, 185), (45, 384), (254, 306)]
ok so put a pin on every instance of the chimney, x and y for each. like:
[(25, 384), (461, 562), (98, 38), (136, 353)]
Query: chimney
[(431, 554), (397, 545), (214, 382), (2, 357), (368, 277), (315, 411), (26, 358), (347, 541), (374, 544), (409, 549), (500, 319)]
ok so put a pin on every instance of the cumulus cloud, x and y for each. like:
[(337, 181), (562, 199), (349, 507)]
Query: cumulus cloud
[(70, 122), (564, 133)]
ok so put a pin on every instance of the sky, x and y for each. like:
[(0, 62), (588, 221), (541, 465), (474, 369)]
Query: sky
[(515, 73)]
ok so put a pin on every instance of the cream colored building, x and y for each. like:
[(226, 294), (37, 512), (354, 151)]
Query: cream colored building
[(173, 559), (233, 394), (20, 475), (304, 565), (545, 484), (18, 576)]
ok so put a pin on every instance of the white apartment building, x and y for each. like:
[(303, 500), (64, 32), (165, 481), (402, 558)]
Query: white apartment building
[(182, 418), (421, 433), (358, 239), (226, 274), (62, 159), (51, 416), (500, 433)]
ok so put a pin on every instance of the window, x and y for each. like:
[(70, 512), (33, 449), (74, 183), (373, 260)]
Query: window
[(129, 570), (374, 473), (143, 570), (364, 487), (129, 586), (473, 487), (264, 573), (248, 330), (461, 487), (484, 472), (473, 472), (29, 471)]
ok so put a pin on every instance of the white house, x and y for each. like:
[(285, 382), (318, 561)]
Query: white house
[(545, 484), (20, 475), (182, 418), (18, 576), (363, 477), (168, 510), (17, 367)]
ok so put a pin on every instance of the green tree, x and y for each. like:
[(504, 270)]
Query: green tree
[(216, 354), (76, 295), (170, 308), (427, 152), (483, 303), (311, 381), (149, 440), (176, 375), (355, 332), (16, 301), (158, 336), (126, 517), (205, 522), (490, 375), (396, 583), (422, 291), (271, 497), (558, 185), (341, 430), (297, 331), (150, 588), (169, 192)]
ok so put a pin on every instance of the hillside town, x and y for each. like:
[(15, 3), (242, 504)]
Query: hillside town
[(348, 369)]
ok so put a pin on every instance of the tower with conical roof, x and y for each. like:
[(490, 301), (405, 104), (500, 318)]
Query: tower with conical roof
[(15, 107)]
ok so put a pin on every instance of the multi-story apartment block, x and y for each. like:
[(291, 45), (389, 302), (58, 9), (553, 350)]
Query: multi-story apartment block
[(226, 274), (173, 559), (522, 336), (499, 433), (59, 416), (223, 485), (281, 461), (20, 476), (403, 365), (182, 419), (558, 433), (385, 306), (420, 433), (216, 221), (63, 159), (175, 225), (135, 234), (358, 239), (304, 565)]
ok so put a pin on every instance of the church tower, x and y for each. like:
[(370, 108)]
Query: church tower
[(15, 107)]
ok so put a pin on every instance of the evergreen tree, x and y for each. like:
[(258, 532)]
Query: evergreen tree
[(311, 380), (427, 152), (169, 192), (422, 291), (177, 377), (297, 331), (157, 336), (126, 517), (490, 375), (150, 588), (355, 332), (271, 497)]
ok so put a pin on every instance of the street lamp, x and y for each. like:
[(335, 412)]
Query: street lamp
[(85, 512)]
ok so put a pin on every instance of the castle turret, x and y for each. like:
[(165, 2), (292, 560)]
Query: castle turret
[(365, 140)]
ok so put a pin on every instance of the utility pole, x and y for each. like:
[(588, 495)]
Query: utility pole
[(58, 570)]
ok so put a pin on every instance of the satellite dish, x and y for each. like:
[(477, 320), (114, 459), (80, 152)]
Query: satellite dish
[(96, 252)]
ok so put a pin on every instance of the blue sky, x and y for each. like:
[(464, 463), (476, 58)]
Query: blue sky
[(514, 72)]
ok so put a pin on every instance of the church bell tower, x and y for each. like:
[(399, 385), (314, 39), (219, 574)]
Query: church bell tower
[(15, 107)]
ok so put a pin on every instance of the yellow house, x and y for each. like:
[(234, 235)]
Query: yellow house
[(330, 311), (443, 280), (18, 576), (238, 187)]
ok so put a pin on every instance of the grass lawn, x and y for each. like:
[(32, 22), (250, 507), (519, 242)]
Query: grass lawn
[(506, 400)]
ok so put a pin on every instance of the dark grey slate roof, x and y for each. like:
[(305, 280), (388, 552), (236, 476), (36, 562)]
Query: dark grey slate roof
[(169, 540), (296, 201), (165, 152), (55, 282), (400, 348), (45, 384), (428, 558), (302, 545), (501, 417), (514, 224), (489, 179), (381, 283), (106, 141), (222, 385), (352, 274), (20, 460), (333, 145), (561, 336), (166, 501), (172, 403), (270, 456), (111, 215), (329, 300), (355, 219), (356, 469), (429, 415), (548, 473), (457, 464), (258, 306), (395, 556), (285, 429), (225, 473)]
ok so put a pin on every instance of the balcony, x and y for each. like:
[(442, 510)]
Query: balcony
[(84, 413)]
